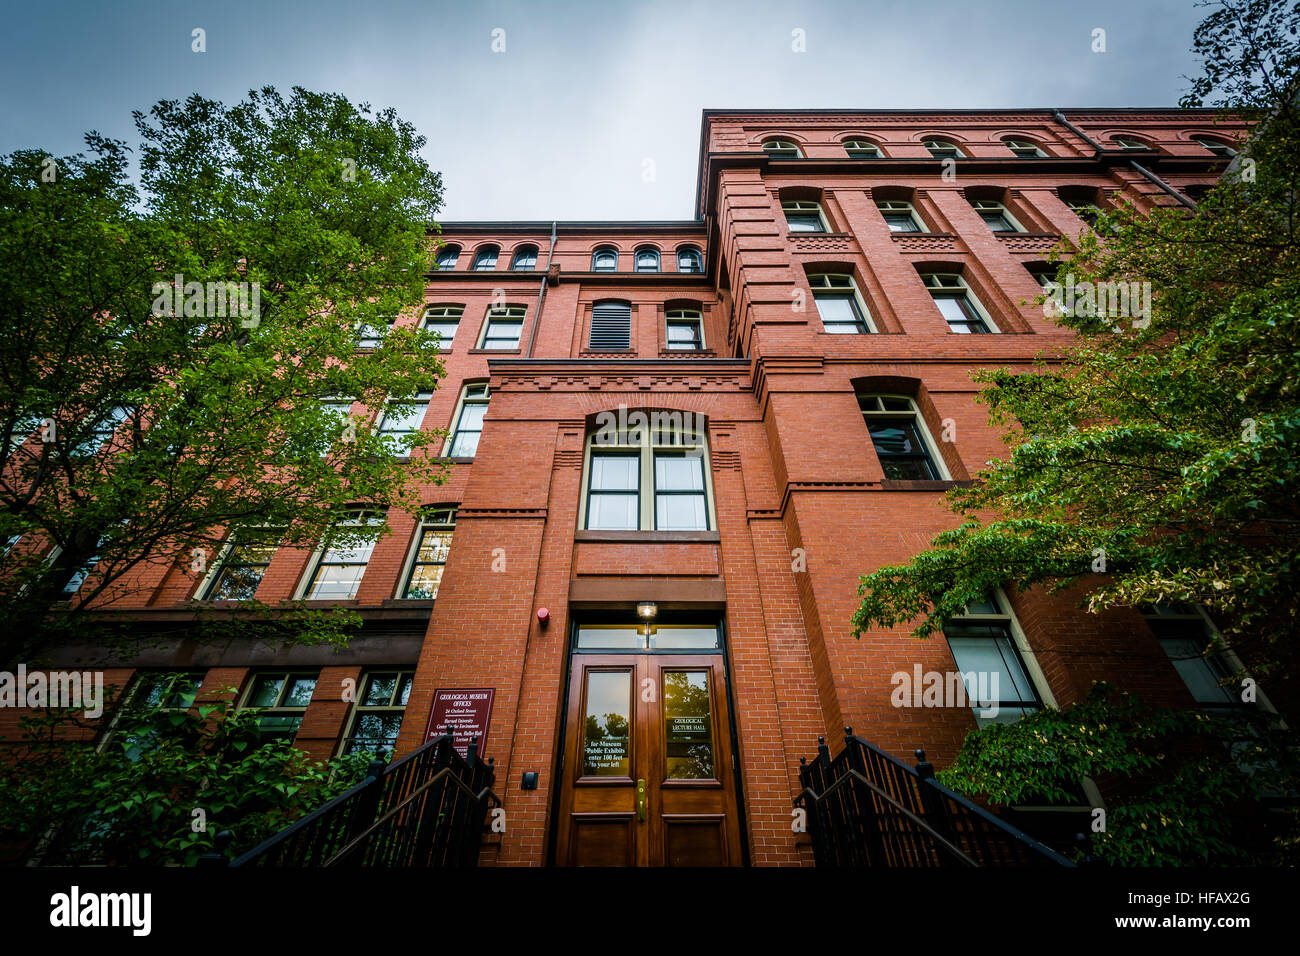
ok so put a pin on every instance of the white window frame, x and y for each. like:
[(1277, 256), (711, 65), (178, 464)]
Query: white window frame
[(779, 146), (803, 207), (364, 327), (919, 424), (1217, 147), (642, 442), (895, 207), (353, 516), (682, 316), (947, 147), (443, 315), (1021, 147), (420, 401), (1124, 141), (942, 282), (852, 146), (508, 315), (437, 519), (841, 285), (481, 395), (604, 250), (982, 206)]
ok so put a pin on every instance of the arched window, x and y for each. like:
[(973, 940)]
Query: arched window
[(690, 259), (943, 149), (1024, 148), (647, 259), (604, 259), (1217, 147), (1129, 142), (525, 259), (782, 149), (447, 257), (861, 149), (485, 260)]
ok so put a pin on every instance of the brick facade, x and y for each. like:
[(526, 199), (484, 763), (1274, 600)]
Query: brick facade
[(802, 503)]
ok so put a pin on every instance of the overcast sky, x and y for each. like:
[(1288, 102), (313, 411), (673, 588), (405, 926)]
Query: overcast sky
[(561, 123)]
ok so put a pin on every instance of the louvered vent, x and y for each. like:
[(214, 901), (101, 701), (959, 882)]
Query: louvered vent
[(611, 327)]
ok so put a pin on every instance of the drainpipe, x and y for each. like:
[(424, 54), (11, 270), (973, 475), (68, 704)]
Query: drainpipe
[(1060, 118), (541, 291), (1164, 185)]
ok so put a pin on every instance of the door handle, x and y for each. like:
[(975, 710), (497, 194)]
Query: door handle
[(640, 801)]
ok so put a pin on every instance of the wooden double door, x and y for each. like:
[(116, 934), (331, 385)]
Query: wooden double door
[(647, 770)]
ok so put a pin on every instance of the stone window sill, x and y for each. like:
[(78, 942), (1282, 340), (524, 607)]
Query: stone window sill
[(648, 537)]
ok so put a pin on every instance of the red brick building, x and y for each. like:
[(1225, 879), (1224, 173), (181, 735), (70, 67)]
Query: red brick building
[(800, 351)]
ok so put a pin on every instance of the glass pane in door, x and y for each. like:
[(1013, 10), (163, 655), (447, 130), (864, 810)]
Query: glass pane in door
[(606, 736), (688, 726)]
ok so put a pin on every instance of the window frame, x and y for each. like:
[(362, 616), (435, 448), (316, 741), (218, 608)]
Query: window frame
[(480, 257), (941, 149), (403, 676), (960, 292), (695, 254), (681, 317), (934, 458), (420, 399), (645, 251), (827, 284), (646, 450), (449, 315), (443, 253), (504, 315), (778, 148), (591, 325), (218, 568), (484, 398), (364, 340), (804, 209), (1132, 143), (901, 207), (360, 517), (872, 150), (522, 254), (288, 676), (604, 251), (1028, 659), (1021, 147), (997, 206), (1216, 147), (438, 519)]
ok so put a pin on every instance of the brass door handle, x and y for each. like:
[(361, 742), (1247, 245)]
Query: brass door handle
[(640, 801)]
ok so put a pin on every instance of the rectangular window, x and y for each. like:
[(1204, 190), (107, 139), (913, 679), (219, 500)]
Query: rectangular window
[(239, 571), (899, 216), (343, 559), (377, 714), (611, 327), (443, 319), (282, 698), (996, 217), (900, 438), (372, 336), (614, 502), (102, 431), (432, 544), (993, 671), (665, 457), (684, 330), (504, 326), (395, 425), (469, 421), (958, 305), (804, 216), (841, 311), (679, 492), (152, 691)]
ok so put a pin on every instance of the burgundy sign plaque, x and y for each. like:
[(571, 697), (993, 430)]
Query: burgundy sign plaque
[(465, 713)]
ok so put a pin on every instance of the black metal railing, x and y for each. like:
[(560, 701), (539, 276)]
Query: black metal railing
[(428, 809), (867, 808)]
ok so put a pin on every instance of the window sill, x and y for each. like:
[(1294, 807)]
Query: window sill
[(407, 602), (648, 537), (514, 351), (899, 484), (687, 353)]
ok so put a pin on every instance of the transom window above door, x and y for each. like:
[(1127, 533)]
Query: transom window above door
[(650, 636)]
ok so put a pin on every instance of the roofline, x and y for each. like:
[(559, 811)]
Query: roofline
[(967, 110), (572, 225)]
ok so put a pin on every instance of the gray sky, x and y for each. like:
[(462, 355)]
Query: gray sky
[(560, 124)]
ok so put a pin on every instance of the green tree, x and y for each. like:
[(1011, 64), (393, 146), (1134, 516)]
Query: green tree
[(134, 801), (140, 428)]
